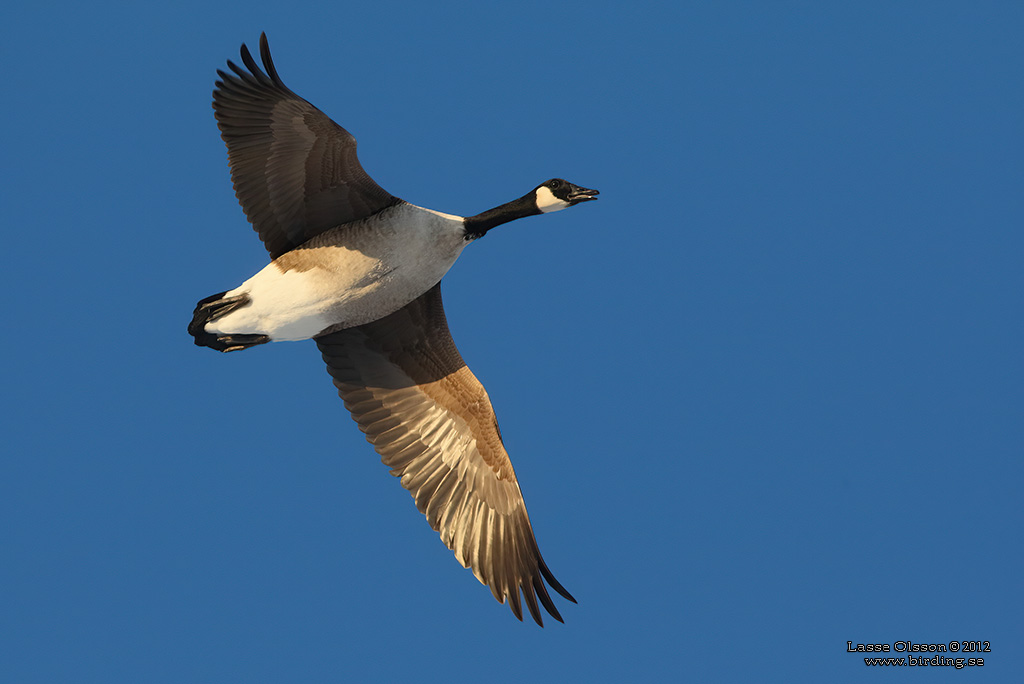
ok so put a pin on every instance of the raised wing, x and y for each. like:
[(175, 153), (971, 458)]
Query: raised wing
[(295, 171), (430, 420)]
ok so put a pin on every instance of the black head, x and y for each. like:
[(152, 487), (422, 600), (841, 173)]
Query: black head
[(558, 193)]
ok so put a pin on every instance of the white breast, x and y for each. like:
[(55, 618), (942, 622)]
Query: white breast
[(353, 274)]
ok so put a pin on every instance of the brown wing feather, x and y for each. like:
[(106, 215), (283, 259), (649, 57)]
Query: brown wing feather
[(432, 423), (295, 171)]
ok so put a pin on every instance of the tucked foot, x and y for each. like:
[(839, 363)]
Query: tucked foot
[(214, 307), (226, 343)]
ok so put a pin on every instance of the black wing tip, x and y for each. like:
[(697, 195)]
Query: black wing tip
[(534, 593), (265, 52), (545, 599), (268, 61), (531, 603), (239, 71), (550, 577), (252, 68), (530, 584), (249, 62)]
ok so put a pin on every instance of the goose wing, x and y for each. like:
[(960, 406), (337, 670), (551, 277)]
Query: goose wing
[(430, 420), (295, 171)]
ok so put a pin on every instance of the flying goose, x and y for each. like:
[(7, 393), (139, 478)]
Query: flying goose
[(358, 270)]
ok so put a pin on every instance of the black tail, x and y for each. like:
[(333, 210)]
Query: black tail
[(212, 308)]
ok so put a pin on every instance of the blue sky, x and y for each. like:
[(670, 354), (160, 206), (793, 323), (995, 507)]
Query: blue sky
[(763, 398)]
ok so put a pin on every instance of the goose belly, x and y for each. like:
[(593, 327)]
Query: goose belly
[(321, 286)]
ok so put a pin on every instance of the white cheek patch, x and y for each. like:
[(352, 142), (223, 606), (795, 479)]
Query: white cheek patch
[(547, 202)]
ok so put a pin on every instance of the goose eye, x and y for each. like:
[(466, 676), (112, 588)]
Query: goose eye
[(554, 184)]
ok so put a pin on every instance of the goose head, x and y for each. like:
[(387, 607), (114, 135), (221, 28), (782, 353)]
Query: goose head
[(558, 193), (551, 195)]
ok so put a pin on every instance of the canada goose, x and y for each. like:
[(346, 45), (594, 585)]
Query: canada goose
[(359, 270)]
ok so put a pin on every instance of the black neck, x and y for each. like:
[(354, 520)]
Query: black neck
[(477, 226)]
